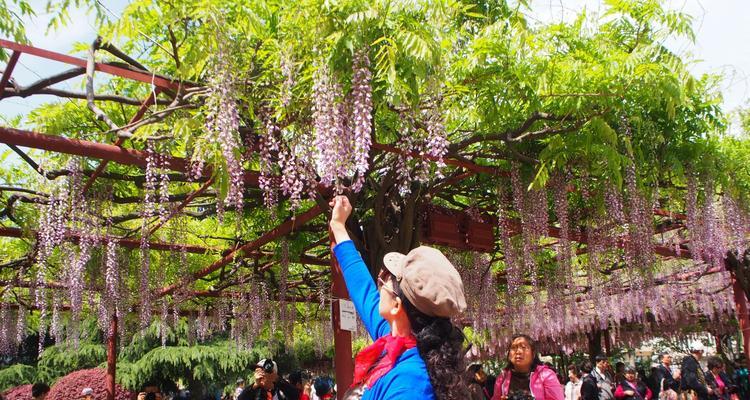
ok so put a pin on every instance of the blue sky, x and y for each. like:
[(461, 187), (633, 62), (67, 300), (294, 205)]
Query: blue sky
[(722, 29)]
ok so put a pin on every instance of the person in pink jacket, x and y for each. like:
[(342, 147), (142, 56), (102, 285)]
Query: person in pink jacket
[(525, 375)]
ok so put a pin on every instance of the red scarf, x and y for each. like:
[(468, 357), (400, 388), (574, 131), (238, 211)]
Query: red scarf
[(377, 359)]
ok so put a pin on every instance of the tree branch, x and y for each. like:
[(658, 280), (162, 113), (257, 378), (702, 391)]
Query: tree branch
[(111, 49), (10, 92), (90, 66)]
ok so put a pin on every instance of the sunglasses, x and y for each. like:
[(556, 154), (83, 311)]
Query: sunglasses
[(383, 277)]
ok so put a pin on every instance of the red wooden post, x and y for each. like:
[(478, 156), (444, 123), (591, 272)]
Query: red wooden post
[(343, 362), (111, 358), (8, 70), (740, 305)]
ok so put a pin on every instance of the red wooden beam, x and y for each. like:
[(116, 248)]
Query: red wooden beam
[(83, 148), (101, 151), (138, 115), (134, 74), (127, 243), (285, 228), (456, 237), (448, 161), (8, 71)]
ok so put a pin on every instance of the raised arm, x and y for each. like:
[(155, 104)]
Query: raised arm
[(359, 283)]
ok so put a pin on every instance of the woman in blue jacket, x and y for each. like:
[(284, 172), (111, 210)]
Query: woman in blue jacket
[(417, 353)]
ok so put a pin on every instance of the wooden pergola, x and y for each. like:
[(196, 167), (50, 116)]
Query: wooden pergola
[(455, 229)]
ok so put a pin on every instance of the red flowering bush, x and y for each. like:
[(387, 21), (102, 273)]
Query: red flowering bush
[(70, 386), (22, 392)]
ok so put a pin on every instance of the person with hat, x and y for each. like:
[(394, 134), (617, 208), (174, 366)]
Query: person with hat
[(417, 352), (632, 388), (264, 387), (525, 372), (87, 394), (240, 387), (693, 378)]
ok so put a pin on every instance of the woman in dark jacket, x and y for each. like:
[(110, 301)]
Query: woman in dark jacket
[(718, 380), (631, 388)]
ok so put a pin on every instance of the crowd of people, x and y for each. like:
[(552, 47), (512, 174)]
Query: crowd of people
[(599, 381)]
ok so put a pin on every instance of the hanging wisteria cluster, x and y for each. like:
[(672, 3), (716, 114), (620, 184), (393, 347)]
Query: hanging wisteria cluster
[(222, 125), (480, 288), (737, 222), (513, 271), (361, 118), (639, 253), (675, 299), (268, 145), (564, 276), (13, 325), (250, 306), (7, 344), (333, 142), (715, 225)]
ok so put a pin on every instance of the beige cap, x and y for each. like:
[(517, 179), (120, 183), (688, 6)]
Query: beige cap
[(429, 281)]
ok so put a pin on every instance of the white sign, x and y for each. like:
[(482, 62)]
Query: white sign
[(347, 316)]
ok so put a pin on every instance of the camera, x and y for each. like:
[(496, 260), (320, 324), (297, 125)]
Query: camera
[(151, 396), (268, 367)]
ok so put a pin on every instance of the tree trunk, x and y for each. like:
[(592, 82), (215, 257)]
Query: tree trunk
[(395, 224), (595, 344)]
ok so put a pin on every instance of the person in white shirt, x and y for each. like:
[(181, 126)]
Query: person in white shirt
[(573, 387), (240, 388)]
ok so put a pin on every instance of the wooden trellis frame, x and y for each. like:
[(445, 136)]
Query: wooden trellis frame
[(467, 235)]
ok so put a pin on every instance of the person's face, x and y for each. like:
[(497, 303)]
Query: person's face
[(267, 380), (521, 354), (718, 369), (390, 304), (698, 355), (572, 376), (602, 365), (630, 376), (667, 360)]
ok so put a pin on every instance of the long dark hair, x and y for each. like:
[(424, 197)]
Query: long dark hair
[(532, 343), (440, 345)]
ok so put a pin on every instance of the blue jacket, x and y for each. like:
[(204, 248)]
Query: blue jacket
[(408, 380)]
